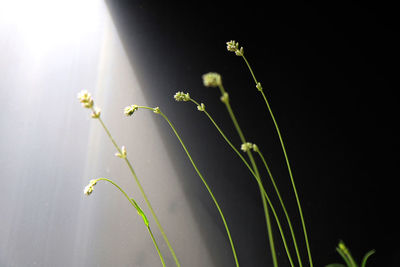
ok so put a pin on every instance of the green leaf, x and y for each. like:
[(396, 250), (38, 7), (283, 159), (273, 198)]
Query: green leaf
[(335, 265), (140, 212), (364, 261)]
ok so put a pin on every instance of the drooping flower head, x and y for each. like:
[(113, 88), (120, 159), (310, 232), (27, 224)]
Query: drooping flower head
[(89, 188), (212, 79), (181, 96), (85, 98), (129, 110)]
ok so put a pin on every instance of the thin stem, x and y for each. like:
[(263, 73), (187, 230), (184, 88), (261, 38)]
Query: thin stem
[(254, 166), (287, 163), (253, 175), (131, 201), (282, 204), (155, 244), (143, 194), (204, 182)]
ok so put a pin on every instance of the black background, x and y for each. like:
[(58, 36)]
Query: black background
[(329, 73)]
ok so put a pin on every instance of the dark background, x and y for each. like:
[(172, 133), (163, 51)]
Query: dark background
[(328, 71)]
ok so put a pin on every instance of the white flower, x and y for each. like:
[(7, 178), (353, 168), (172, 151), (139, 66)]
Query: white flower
[(121, 154), (85, 98), (246, 146), (129, 110), (157, 110), (212, 79), (89, 188), (233, 46), (181, 96)]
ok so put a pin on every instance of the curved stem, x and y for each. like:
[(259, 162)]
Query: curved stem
[(205, 184), (287, 163), (253, 175), (254, 166), (143, 194), (148, 227)]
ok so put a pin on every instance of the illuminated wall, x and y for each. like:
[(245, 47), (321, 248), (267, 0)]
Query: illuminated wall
[(51, 148)]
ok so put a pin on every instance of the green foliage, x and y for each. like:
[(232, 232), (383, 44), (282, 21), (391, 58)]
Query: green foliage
[(344, 252)]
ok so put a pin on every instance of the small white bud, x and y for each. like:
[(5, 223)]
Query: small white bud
[(157, 110), (255, 148), (239, 52), (129, 110), (96, 113), (225, 97), (201, 107), (121, 154), (89, 188), (259, 87)]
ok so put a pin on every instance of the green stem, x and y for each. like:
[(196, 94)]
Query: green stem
[(253, 175), (204, 182), (282, 204), (252, 161), (143, 194), (131, 201), (155, 244), (287, 163)]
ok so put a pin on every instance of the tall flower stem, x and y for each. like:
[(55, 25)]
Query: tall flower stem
[(254, 166), (282, 204), (258, 85), (143, 194), (202, 179), (133, 203), (254, 175)]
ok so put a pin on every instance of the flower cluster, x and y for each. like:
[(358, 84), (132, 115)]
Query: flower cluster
[(233, 46), (181, 96), (121, 154), (129, 110), (85, 98), (212, 79), (248, 146), (89, 188), (87, 102)]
